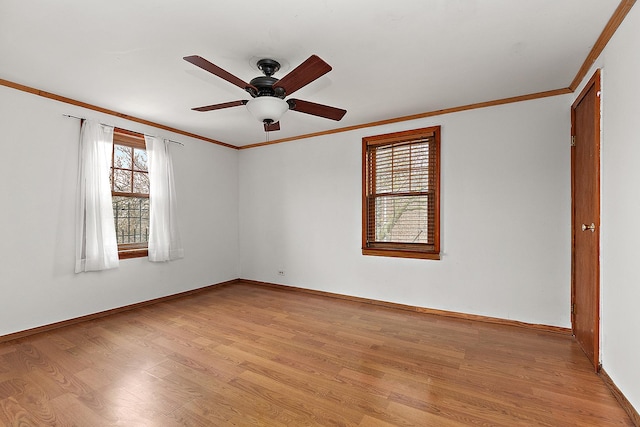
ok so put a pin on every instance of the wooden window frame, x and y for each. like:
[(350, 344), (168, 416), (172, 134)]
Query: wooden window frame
[(134, 140), (393, 249)]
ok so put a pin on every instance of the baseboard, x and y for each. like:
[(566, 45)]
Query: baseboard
[(620, 397), (76, 320), (465, 316)]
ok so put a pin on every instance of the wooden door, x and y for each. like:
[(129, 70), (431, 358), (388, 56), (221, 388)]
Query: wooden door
[(585, 189)]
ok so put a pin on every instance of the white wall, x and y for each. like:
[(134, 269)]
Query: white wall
[(505, 210), (38, 175), (620, 206)]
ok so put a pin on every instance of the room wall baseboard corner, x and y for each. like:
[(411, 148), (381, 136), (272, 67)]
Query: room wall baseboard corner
[(457, 315), (75, 320), (620, 397)]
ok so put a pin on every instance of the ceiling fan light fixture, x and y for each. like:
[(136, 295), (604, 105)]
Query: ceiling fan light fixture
[(267, 108), (268, 104)]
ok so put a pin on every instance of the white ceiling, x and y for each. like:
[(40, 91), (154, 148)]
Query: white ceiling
[(389, 58)]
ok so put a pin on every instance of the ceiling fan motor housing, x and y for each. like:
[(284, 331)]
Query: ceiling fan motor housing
[(264, 84)]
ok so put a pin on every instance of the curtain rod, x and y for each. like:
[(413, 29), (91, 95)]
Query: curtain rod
[(83, 118)]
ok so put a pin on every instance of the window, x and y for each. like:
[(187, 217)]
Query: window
[(401, 194), (130, 193)]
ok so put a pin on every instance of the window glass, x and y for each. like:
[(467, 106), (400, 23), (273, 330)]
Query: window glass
[(130, 193)]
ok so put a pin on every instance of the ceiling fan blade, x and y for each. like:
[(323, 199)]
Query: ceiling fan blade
[(314, 109), (220, 106), (271, 126), (198, 61), (303, 74)]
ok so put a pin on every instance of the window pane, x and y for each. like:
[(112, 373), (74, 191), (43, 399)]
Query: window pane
[(384, 171), (122, 156), (122, 181), (402, 168), (141, 182), (402, 219), (140, 160), (131, 216)]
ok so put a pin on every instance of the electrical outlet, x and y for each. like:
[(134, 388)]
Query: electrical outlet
[(280, 272)]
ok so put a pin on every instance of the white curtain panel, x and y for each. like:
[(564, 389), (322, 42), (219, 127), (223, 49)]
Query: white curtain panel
[(164, 237), (96, 245)]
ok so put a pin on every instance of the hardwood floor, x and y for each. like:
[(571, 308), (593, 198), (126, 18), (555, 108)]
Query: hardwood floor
[(244, 355)]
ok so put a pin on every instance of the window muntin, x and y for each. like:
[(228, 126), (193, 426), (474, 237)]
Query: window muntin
[(401, 194), (131, 216), (130, 193)]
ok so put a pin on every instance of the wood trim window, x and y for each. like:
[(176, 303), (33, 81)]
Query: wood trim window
[(129, 177), (401, 194)]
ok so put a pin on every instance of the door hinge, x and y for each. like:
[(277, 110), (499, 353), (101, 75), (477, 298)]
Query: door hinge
[(573, 140), (573, 309)]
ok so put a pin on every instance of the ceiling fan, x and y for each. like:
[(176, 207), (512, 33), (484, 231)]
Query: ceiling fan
[(268, 93)]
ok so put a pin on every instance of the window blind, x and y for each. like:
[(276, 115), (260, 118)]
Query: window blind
[(401, 192)]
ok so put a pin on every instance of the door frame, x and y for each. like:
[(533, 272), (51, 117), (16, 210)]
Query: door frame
[(594, 82)]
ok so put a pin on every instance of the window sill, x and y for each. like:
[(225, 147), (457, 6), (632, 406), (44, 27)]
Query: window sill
[(397, 253), (133, 253)]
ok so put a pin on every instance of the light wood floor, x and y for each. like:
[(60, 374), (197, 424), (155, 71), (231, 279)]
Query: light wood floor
[(245, 355)]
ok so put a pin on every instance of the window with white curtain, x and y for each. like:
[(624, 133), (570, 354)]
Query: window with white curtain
[(127, 204)]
